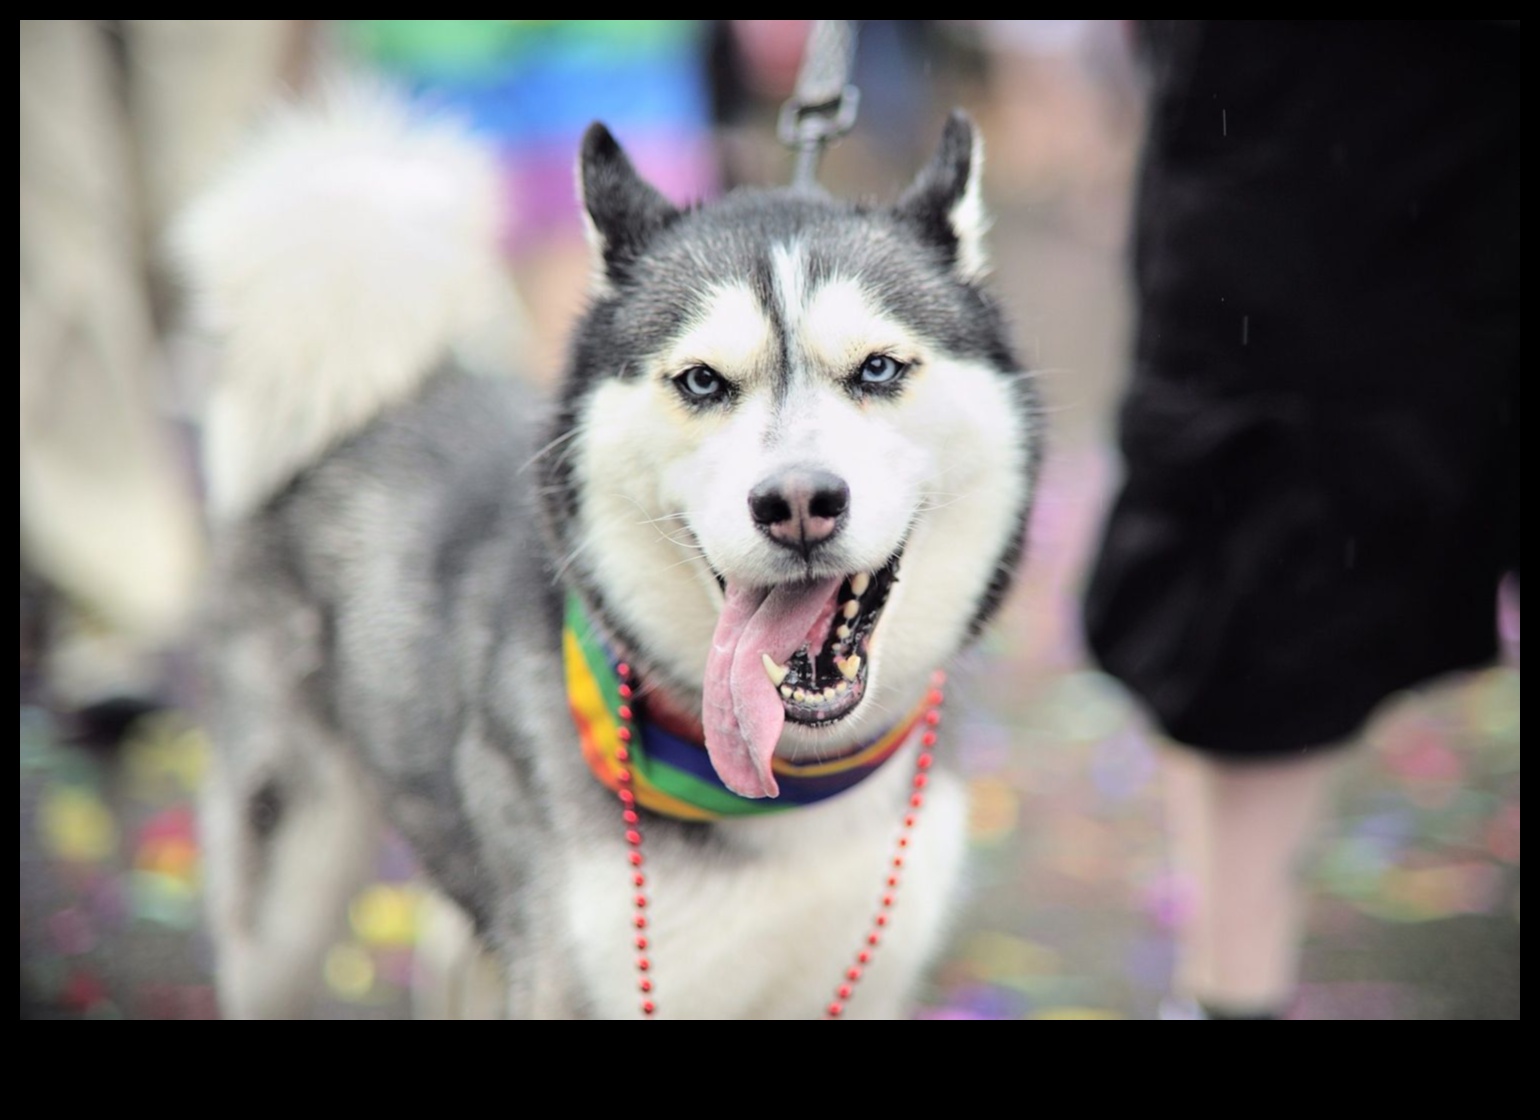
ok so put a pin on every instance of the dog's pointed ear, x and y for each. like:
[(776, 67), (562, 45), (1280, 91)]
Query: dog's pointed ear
[(944, 204), (624, 211)]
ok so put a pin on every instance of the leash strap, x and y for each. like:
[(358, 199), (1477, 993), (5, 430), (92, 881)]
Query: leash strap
[(823, 106)]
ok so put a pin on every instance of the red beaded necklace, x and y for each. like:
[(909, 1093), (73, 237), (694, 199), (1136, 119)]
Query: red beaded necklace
[(873, 939)]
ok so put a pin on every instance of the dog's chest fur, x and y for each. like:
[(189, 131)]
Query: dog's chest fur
[(768, 922)]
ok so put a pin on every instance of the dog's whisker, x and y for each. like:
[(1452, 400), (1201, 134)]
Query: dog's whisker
[(941, 501), (681, 563), (570, 559), (656, 523), (661, 518), (559, 441)]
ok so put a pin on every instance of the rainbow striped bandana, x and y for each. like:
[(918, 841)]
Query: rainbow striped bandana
[(673, 775)]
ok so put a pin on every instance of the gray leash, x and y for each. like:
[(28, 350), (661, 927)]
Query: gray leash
[(823, 106)]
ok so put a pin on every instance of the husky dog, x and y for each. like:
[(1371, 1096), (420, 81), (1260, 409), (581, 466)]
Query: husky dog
[(786, 479)]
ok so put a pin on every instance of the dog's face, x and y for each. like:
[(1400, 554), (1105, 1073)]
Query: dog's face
[(799, 450)]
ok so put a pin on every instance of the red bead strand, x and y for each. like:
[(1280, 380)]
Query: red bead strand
[(633, 821), (846, 988), (835, 1009)]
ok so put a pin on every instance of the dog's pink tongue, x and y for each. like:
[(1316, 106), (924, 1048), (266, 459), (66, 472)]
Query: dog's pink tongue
[(742, 712)]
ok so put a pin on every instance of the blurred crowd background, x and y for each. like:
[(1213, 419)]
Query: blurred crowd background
[(1070, 910)]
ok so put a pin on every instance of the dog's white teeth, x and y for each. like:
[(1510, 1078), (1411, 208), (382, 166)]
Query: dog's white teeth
[(840, 688), (774, 669), (851, 608), (828, 693), (786, 691), (843, 632), (799, 695), (859, 583), (848, 666)]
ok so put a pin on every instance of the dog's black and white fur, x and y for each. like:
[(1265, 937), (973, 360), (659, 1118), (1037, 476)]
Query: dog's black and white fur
[(769, 396)]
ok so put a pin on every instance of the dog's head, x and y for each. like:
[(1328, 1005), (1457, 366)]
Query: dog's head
[(799, 450)]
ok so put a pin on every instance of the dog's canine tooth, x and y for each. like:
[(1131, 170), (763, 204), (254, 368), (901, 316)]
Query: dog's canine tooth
[(848, 666), (859, 583), (851, 608), (774, 669)]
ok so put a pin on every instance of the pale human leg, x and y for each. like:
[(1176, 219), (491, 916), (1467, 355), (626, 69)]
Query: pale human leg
[(1238, 833)]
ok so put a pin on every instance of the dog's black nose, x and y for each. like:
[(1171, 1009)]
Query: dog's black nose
[(800, 508)]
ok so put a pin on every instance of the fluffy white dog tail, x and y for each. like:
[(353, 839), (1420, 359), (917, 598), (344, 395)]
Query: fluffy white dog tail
[(352, 244)]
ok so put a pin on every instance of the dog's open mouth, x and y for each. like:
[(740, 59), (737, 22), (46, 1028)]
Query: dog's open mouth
[(826, 677), (797, 652)]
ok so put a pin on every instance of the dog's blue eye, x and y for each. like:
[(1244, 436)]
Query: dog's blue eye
[(880, 369), (701, 383)]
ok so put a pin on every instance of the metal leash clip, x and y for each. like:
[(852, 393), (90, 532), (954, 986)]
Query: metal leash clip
[(823, 106)]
